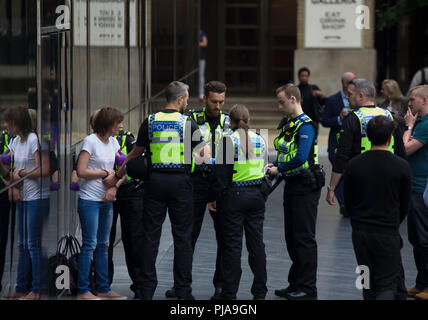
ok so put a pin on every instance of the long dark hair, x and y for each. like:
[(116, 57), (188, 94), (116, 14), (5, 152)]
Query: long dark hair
[(240, 115)]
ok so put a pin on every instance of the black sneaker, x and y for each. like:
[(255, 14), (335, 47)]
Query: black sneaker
[(283, 292), (171, 293), (259, 298)]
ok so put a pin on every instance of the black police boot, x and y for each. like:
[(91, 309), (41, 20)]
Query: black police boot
[(171, 293), (217, 292), (186, 296), (300, 295), (283, 292)]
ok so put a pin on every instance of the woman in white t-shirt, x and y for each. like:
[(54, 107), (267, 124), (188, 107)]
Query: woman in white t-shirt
[(32, 203), (96, 162)]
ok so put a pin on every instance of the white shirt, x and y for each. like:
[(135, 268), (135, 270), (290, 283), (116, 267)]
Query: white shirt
[(102, 157), (23, 155)]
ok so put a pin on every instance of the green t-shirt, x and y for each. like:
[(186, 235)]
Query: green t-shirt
[(419, 160)]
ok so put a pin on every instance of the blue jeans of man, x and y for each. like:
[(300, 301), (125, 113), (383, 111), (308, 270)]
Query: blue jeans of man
[(32, 264), (95, 219)]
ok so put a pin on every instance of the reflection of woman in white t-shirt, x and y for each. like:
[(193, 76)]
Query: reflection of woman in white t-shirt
[(95, 208), (32, 202)]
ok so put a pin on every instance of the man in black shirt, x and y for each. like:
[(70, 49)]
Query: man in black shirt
[(312, 96), (170, 138), (377, 187), (353, 139)]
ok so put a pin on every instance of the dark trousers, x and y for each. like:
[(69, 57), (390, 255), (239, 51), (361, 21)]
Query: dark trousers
[(300, 214), (130, 209), (201, 189), (381, 254), (172, 192), (417, 223), (243, 209), (338, 191), (4, 227)]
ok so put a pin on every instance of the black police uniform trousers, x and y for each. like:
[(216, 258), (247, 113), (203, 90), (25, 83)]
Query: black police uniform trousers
[(129, 205), (4, 228), (243, 208), (417, 224), (300, 214), (201, 188), (380, 252), (170, 191)]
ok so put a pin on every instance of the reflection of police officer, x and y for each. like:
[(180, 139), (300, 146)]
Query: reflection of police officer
[(297, 160), (4, 203), (212, 122), (167, 135), (129, 204), (238, 176)]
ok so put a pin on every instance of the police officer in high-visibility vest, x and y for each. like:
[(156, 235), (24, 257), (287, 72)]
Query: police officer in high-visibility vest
[(353, 138), (240, 204), (297, 160), (171, 138), (129, 205), (212, 122), (5, 139)]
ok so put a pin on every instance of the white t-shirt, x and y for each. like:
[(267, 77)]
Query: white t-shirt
[(23, 153), (102, 157)]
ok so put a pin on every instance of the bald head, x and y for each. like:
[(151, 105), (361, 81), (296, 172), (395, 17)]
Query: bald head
[(346, 78)]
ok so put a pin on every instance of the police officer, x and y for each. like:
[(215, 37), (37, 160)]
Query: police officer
[(297, 160), (238, 173), (129, 204), (212, 122), (5, 139), (170, 137), (353, 138)]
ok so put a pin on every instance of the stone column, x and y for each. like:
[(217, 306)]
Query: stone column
[(327, 64)]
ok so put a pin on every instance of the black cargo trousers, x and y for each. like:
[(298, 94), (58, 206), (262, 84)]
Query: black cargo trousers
[(172, 192), (242, 208), (129, 206), (300, 215)]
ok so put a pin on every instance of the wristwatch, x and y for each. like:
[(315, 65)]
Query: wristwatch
[(330, 188)]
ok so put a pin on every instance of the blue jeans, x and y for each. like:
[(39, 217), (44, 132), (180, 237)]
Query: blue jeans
[(32, 264), (96, 218)]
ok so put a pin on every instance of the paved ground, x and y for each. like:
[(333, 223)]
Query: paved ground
[(336, 260)]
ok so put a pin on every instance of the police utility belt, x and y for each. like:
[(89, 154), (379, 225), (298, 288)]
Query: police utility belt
[(313, 177)]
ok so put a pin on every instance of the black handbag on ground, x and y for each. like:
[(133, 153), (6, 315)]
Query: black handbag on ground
[(60, 258)]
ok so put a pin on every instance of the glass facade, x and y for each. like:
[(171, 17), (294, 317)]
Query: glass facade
[(65, 66)]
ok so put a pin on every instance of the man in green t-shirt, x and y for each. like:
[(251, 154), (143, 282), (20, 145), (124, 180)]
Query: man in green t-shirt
[(415, 141)]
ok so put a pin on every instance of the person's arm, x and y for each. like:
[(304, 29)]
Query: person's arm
[(204, 42), (222, 172), (43, 167), (350, 128), (405, 192), (305, 136), (137, 150), (88, 174), (330, 119), (411, 145)]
